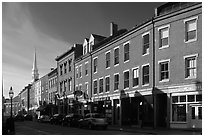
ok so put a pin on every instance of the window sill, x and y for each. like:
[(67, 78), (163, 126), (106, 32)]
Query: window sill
[(163, 81), (189, 41), (95, 72), (116, 90), (145, 85), (135, 86), (127, 88), (108, 68), (116, 65), (178, 122), (126, 61), (190, 78), (163, 47), (145, 54)]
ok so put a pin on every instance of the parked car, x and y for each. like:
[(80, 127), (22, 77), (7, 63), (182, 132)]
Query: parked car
[(19, 117), (28, 117), (71, 120), (44, 119), (56, 119), (93, 120)]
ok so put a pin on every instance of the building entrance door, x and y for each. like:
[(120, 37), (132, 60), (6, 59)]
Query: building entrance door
[(195, 116)]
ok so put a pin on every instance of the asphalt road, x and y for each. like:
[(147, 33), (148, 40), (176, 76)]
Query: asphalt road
[(35, 128)]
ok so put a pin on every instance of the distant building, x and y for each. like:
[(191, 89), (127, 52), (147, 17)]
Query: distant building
[(44, 89), (52, 86), (15, 106), (25, 98)]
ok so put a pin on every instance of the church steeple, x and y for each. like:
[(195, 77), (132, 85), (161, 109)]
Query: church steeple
[(35, 74)]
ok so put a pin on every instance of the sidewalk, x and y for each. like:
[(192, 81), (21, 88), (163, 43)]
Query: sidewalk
[(157, 131)]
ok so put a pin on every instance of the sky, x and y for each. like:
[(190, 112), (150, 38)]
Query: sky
[(52, 28)]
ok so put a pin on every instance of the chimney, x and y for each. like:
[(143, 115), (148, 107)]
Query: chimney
[(113, 28)]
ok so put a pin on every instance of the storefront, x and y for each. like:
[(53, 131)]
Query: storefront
[(186, 110)]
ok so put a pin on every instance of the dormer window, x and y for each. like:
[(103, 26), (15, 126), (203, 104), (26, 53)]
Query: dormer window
[(85, 49), (91, 43)]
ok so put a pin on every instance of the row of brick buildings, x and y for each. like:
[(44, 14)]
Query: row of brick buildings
[(150, 75)]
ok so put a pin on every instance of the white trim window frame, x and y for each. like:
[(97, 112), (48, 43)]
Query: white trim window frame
[(84, 49), (116, 83), (95, 64), (145, 75), (164, 36), (135, 77), (108, 59), (191, 66), (101, 85), (86, 68), (145, 44), (190, 28), (107, 84), (116, 59), (164, 70), (80, 71), (86, 87), (126, 79), (95, 87), (77, 72), (126, 54)]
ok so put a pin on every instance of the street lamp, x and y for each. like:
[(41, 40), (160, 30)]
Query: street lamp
[(11, 96)]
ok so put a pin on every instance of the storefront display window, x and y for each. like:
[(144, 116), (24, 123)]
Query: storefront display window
[(179, 112)]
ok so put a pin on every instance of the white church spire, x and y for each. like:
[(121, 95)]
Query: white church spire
[(35, 74)]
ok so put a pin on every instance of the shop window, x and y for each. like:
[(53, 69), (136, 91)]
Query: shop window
[(191, 98), (198, 97), (182, 98), (179, 112), (199, 112), (174, 99), (193, 113)]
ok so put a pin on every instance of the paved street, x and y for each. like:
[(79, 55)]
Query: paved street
[(34, 128)]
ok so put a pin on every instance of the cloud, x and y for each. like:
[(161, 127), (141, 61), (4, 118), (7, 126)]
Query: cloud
[(19, 38)]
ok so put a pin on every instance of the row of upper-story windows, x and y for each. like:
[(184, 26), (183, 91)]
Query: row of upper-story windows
[(52, 83), (63, 67), (79, 70), (190, 35), (164, 75), (66, 85)]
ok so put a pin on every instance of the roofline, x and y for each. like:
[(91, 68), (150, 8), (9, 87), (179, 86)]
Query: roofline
[(64, 54)]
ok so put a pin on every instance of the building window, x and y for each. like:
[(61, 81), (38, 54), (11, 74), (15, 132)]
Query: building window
[(61, 87), (100, 85), (164, 36), (80, 71), (70, 84), (85, 50), (164, 70), (108, 60), (135, 77), (145, 75), (116, 56), (86, 88), (70, 66), (77, 71), (76, 87), (95, 87), (190, 67), (179, 112), (65, 85), (61, 70), (191, 29), (116, 81), (107, 81), (65, 67), (95, 65), (126, 52), (86, 68), (126, 79), (145, 44), (80, 87)]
